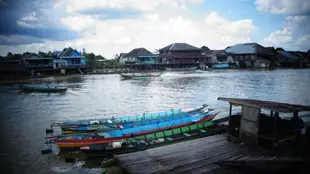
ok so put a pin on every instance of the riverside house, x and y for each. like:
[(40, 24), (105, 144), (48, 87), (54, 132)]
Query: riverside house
[(214, 57), (180, 55), (140, 58), (251, 55), (69, 59)]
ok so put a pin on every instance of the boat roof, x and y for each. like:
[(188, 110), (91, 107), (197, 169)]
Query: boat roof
[(268, 105)]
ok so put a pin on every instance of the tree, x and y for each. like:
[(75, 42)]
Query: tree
[(116, 56), (9, 54)]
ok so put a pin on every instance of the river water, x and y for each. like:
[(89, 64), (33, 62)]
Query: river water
[(24, 117)]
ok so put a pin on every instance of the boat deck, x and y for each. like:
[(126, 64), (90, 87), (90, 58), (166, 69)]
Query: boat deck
[(197, 156)]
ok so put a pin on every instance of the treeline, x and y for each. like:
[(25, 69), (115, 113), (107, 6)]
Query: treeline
[(93, 61)]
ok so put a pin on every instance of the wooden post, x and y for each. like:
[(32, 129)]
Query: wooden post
[(229, 122), (274, 130)]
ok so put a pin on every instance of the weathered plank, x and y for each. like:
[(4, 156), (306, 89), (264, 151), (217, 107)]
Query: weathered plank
[(196, 155)]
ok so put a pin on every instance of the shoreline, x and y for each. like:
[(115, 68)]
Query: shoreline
[(15, 80)]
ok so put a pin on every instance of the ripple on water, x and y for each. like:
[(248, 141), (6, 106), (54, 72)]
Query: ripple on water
[(25, 117)]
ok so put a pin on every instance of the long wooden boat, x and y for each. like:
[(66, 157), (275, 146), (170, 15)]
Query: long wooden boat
[(182, 69), (33, 88), (73, 143), (220, 66), (161, 138), (139, 75), (124, 124), (125, 119), (189, 117)]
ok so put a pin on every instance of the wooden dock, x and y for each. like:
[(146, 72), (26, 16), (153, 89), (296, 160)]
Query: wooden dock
[(202, 155), (196, 156)]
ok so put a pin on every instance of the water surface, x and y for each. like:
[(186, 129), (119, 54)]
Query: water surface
[(24, 117)]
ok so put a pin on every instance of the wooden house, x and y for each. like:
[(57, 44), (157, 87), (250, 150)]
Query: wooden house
[(140, 56), (246, 54), (180, 55), (68, 58)]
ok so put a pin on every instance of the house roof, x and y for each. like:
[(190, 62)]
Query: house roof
[(122, 54), (273, 106), (212, 53), (287, 54), (67, 52), (248, 48), (140, 52), (180, 47)]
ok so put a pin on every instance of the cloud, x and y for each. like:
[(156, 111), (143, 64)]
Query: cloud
[(19, 40), (33, 18), (152, 30), (286, 7), (3, 3), (139, 5), (295, 34), (279, 37)]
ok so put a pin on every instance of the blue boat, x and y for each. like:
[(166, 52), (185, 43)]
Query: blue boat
[(186, 118), (47, 88), (220, 66)]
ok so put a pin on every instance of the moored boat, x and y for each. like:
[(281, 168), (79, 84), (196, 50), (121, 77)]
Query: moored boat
[(154, 139), (139, 75), (120, 135), (125, 121), (182, 69), (220, 66), (47, 88)]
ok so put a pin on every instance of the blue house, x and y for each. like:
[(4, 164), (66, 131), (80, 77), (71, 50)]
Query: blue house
[(139, 56), (68, 58)]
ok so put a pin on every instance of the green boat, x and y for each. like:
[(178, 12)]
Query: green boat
[(152, 140), (47, 88)]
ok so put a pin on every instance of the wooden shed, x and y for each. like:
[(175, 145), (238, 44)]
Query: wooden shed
[(253, 127)]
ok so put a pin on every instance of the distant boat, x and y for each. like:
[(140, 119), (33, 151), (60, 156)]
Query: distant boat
[(182, 69), (220, 66), (139, 75), (47, 88)]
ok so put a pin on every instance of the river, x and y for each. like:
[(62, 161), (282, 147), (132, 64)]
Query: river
[(24, 117)]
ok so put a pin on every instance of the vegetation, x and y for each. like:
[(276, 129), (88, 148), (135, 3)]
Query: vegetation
[(93, 61)]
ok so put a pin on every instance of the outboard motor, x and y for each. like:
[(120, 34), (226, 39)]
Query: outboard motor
[(49, 131)]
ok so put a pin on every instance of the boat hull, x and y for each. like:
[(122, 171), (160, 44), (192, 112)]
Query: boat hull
[(139, 75), (75, 143), (182, 69), (27, 88), (221, 66)]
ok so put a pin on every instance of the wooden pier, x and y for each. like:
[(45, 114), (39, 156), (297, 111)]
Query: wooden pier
[(196, 156)]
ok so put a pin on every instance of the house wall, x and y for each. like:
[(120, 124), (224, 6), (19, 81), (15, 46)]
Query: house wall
[(146, 60)]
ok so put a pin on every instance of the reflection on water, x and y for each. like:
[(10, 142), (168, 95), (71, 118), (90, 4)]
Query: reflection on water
[(24, 117)]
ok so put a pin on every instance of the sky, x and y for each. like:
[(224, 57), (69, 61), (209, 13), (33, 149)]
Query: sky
[(110, 27)]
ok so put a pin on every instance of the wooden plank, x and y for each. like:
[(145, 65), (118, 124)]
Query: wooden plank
[(201, 162), (194, 155), (188, 156), (190, 150), (182, 146)]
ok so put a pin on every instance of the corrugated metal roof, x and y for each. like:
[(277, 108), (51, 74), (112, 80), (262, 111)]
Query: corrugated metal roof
[(180, 47), (287, 54), (139, 52), (273, 106), (242, 49)]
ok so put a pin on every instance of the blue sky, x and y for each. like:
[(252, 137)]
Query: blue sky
[(109, 27)]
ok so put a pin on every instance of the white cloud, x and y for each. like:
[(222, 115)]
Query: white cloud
[(30, 17), (139, 5), (279, 37), (165, 22), (290, 7)]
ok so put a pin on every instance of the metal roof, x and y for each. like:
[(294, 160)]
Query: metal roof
[(268, 105), (180, 47)]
